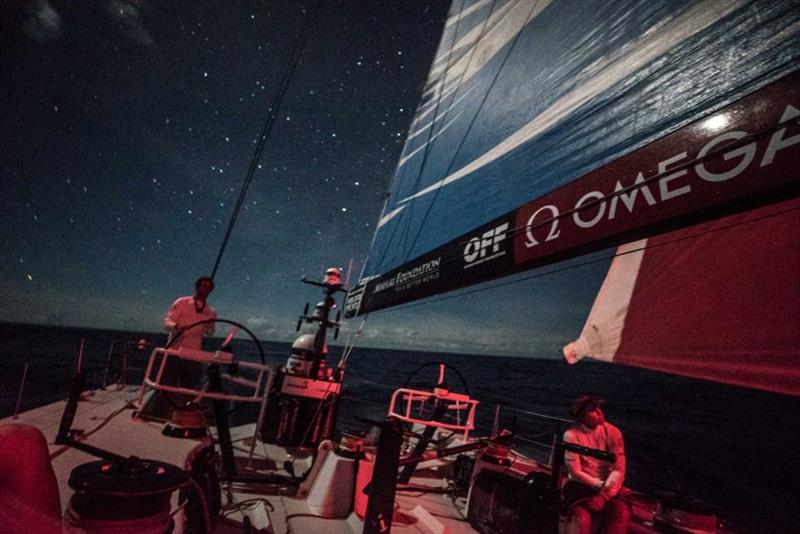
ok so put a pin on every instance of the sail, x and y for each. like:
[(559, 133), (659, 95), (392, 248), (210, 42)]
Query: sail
[(549, 129), (718, 301)]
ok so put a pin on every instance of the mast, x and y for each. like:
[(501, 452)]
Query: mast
[(331, 284)]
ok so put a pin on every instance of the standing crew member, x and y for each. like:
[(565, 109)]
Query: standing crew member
[(178, 321), (187, 311)]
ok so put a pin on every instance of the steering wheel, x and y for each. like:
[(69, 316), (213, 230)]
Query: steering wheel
[(431, 364), (234, 324), (416, 371), (226, 321)]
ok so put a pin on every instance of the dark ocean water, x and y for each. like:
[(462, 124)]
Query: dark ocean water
[(739, 449)]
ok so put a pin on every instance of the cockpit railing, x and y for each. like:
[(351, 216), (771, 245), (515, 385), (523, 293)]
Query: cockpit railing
[(259, 387)]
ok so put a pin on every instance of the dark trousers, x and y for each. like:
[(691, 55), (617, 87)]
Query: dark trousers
[(180, 373), (614, 516)]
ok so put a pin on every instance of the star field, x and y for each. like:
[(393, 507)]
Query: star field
[(127, 131), (130, 127)]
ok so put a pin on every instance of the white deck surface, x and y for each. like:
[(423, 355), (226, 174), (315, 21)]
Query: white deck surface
[(105, 419)]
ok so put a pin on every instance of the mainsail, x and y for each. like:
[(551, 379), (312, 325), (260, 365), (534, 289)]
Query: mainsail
[(551, 129)]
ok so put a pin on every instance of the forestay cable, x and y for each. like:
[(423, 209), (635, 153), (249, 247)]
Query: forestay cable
[(262, 139)]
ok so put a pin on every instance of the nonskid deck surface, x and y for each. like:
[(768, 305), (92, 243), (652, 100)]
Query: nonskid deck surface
[(104, 417), (416, 511)]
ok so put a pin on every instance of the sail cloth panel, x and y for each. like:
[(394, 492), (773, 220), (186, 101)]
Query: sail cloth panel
[(525, 98), (742, 156), (718, 301)]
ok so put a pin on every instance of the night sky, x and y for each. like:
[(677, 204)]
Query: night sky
[(127, 130)]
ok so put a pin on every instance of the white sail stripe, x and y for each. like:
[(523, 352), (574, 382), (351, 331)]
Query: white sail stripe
[(386, 218), (423, 114), (503, 30), (416, 132), (405, 158), (391, 215), (429, 106), (466, 12), (610, 72), (426, 96), (500, 34), (433, 86), (602, 333), (489, 46), (415, 129), (418, 116), (442, 56), (503, 26), (440, 115)]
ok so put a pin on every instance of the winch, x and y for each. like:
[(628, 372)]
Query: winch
[(132, 496)]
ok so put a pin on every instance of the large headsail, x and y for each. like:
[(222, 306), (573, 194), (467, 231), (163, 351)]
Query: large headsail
[(718, 301), (549, 129)]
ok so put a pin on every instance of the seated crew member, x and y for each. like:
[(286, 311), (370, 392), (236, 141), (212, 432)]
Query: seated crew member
[(29, 500), (593, 489)]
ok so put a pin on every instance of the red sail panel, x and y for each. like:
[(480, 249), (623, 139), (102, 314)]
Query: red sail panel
[(721, 301)]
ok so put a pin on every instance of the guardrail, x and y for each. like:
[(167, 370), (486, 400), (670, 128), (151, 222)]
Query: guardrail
[(93, 372)]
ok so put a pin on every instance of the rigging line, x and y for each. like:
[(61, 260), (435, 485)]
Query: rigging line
[(372, 243), (262, 140), (351, 343), (471, 124), (430, 133), (84, 435), (590, 262), (443, 121)]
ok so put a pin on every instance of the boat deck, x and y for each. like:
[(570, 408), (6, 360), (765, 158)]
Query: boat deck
[(105, 420)]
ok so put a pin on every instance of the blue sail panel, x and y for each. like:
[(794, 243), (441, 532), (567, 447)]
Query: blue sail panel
[(526, 97)]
